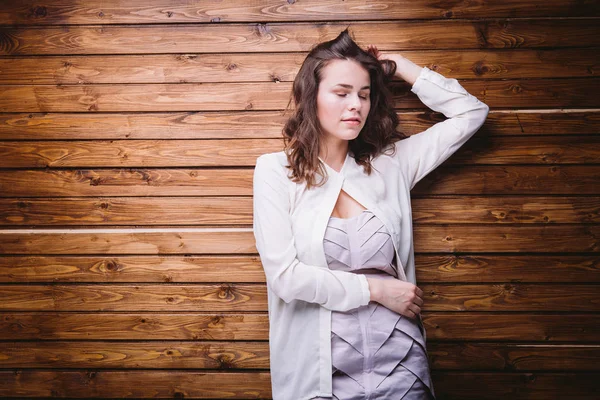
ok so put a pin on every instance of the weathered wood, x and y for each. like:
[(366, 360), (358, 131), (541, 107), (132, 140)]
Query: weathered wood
[(176, 11), (243, 152), (505, 268), (440, 326), (255, 355), (530, 386), (471, 268), (136, 182), (262, 124), (283, 67), (538, 93), (151, 355), (143, 297), (50, 325), (138, 269), (131, 383), (283, 37), (445, 180), (428, 238), (251, 385), (253, 297), (511, 179), (237, 211)]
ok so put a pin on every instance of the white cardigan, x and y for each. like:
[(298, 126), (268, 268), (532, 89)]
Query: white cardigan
[(289, 226)]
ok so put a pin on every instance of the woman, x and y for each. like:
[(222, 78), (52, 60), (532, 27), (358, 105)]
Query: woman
[(344, 308)]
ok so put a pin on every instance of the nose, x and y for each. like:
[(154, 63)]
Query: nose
[(354, 103)]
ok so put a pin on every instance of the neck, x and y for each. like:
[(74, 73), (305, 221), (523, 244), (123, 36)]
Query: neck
[(334, 154)]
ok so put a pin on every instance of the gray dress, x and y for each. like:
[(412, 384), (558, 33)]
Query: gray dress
[(376, 353)]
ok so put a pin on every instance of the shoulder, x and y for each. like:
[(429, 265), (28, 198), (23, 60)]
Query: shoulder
[(272, 166)]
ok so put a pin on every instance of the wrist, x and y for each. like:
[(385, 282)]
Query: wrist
[(374, 289)]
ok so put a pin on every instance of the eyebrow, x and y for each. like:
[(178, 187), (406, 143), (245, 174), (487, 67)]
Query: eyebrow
[(351, 87)]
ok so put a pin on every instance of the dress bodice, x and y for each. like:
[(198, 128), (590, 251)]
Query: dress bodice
[(359, 243)]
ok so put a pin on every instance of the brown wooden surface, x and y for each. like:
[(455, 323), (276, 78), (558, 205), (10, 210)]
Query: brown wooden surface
[(263, 124), (445, 180), (182, 11), (428, 238), (282, 67), (470, 268), (300, 36), (570, 149), (255, 355), (252, 385), (555, 93), (253, 297), (232, 211), (549, 327), (128, 137)]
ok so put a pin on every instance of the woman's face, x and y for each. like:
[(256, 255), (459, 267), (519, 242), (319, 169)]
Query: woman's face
[(343, 100)]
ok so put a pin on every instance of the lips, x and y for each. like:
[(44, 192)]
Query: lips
[(352, 119)]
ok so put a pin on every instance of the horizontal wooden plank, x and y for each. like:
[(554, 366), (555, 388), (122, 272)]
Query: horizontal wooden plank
[(237, 211), (166, 269), (251, 385), (273, 67), (132, 153), (440, 326), (428, 238), (445, 180), (530, 386), (550, 238), (145, 297), (243, 152), (253, 297), (51, 325), (472, 268), (142, 384), (482, 326), (255, 355), (136, 182), (181, 11), (263, 124), (502, 268), (151, 355), (534, 93), (285, 37), (464, 180)]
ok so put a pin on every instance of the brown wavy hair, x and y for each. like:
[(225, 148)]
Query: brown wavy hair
[(302, 131)]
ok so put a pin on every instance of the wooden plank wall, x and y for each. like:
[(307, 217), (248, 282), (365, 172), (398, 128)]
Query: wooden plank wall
[(128, 136)]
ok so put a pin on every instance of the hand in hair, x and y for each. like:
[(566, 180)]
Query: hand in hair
[(405, 69)]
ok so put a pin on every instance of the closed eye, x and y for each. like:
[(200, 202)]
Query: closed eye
[(344, 95)]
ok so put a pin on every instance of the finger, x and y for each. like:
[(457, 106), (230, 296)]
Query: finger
[(418, 301), (419, 292)]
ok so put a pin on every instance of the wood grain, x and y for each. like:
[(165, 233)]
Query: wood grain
[(427, 238), (539, 93), (237, 211), (255, 355), (263, 124), (243, 152), (551, 327), (282, 67), (253, 297), (181, 11), (300, 36), (250, 385), (445, 180)]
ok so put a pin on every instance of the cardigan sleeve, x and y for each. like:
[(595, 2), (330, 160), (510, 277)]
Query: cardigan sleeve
[(287, 276), (419, 154)]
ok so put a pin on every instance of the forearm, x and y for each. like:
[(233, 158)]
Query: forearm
[(407, 70)]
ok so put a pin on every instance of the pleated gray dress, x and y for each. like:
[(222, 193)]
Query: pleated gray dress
[(376, 353)]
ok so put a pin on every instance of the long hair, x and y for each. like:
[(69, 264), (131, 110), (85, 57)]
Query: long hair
[(302, 132)]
